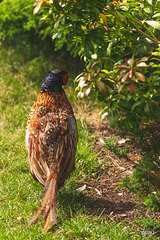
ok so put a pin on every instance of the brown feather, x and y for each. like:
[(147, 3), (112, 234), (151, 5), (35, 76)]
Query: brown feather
[(51, 140)]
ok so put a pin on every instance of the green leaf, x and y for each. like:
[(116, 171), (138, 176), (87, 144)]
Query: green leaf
[(57, 6), (153, 24), (146, 94), (111, 121), (128, 123), (146, 108), (104, 115), (150, 2), (156, 65), (122, 17), (156, 15), (104, 18), (136, 104), (156, 54), (56, 25), (54, 36), (148, 9), (116, 116), (73, 17), (105, 71), (109, 48), (113, 105), (155, 110)]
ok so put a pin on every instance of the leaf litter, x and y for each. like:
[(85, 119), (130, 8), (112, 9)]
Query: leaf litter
[(108, 198)]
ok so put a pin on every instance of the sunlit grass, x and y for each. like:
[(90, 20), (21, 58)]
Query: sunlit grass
[(19, 193)]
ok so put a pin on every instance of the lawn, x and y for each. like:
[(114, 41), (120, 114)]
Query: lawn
[(20, 82)]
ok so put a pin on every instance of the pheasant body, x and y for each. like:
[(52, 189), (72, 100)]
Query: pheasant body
[(51, 140)]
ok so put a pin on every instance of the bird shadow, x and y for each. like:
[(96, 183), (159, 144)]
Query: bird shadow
[(72, 202)]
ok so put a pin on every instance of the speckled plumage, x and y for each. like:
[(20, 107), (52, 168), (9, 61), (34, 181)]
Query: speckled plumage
[(51, 140)]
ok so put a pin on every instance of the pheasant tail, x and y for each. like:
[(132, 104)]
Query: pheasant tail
[(48, 207)]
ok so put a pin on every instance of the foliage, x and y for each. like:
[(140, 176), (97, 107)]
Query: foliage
[(145, 181), (16, 19), (152, 202), (21, 30), (105, 34), (102, 28)]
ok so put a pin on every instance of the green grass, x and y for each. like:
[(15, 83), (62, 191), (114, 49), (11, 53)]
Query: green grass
[(111, 144), (19, 193)]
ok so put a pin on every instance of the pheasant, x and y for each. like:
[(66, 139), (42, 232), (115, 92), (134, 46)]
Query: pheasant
[(51, 142)]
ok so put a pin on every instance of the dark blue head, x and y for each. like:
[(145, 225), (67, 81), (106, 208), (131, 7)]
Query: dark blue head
[(54, 81)]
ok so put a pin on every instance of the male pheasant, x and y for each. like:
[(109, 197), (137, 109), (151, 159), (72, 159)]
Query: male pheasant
[(51, 141)]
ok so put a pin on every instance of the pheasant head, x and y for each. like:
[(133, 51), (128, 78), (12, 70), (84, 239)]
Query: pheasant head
[(54, 81)]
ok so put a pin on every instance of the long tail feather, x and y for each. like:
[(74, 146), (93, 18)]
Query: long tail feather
[(48, 207)]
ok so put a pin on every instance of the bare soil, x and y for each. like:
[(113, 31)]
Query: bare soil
[(108, 198)]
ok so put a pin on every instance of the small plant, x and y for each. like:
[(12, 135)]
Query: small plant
[(111, 144), (152, 202)]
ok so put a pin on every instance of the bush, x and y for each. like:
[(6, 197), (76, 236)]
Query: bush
[(16, 19), (105, 35)]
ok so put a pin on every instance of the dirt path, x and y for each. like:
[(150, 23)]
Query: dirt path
[(110, 199)]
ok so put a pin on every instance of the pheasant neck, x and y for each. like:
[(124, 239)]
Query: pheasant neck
[(55, 88)]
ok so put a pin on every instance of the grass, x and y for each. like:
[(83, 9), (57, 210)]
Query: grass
[(111, 144), (19, 193)]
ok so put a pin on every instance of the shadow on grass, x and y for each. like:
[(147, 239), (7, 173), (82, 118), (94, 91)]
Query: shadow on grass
[(73, 202)]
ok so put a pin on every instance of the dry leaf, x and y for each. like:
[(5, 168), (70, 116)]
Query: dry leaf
[(124, 78), (105, 28), (95, 63), (102, 87), (38, 5), (121, 66), (120, 194), (132, 87), (87, 90), (80, 189), (81, 82), (101, 140), (19, 218), (99, 193), (121, 87), (78, 77), (140, 76), (122, 141), (103, 17), (142, 64), (131, 62), (141, 126)]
